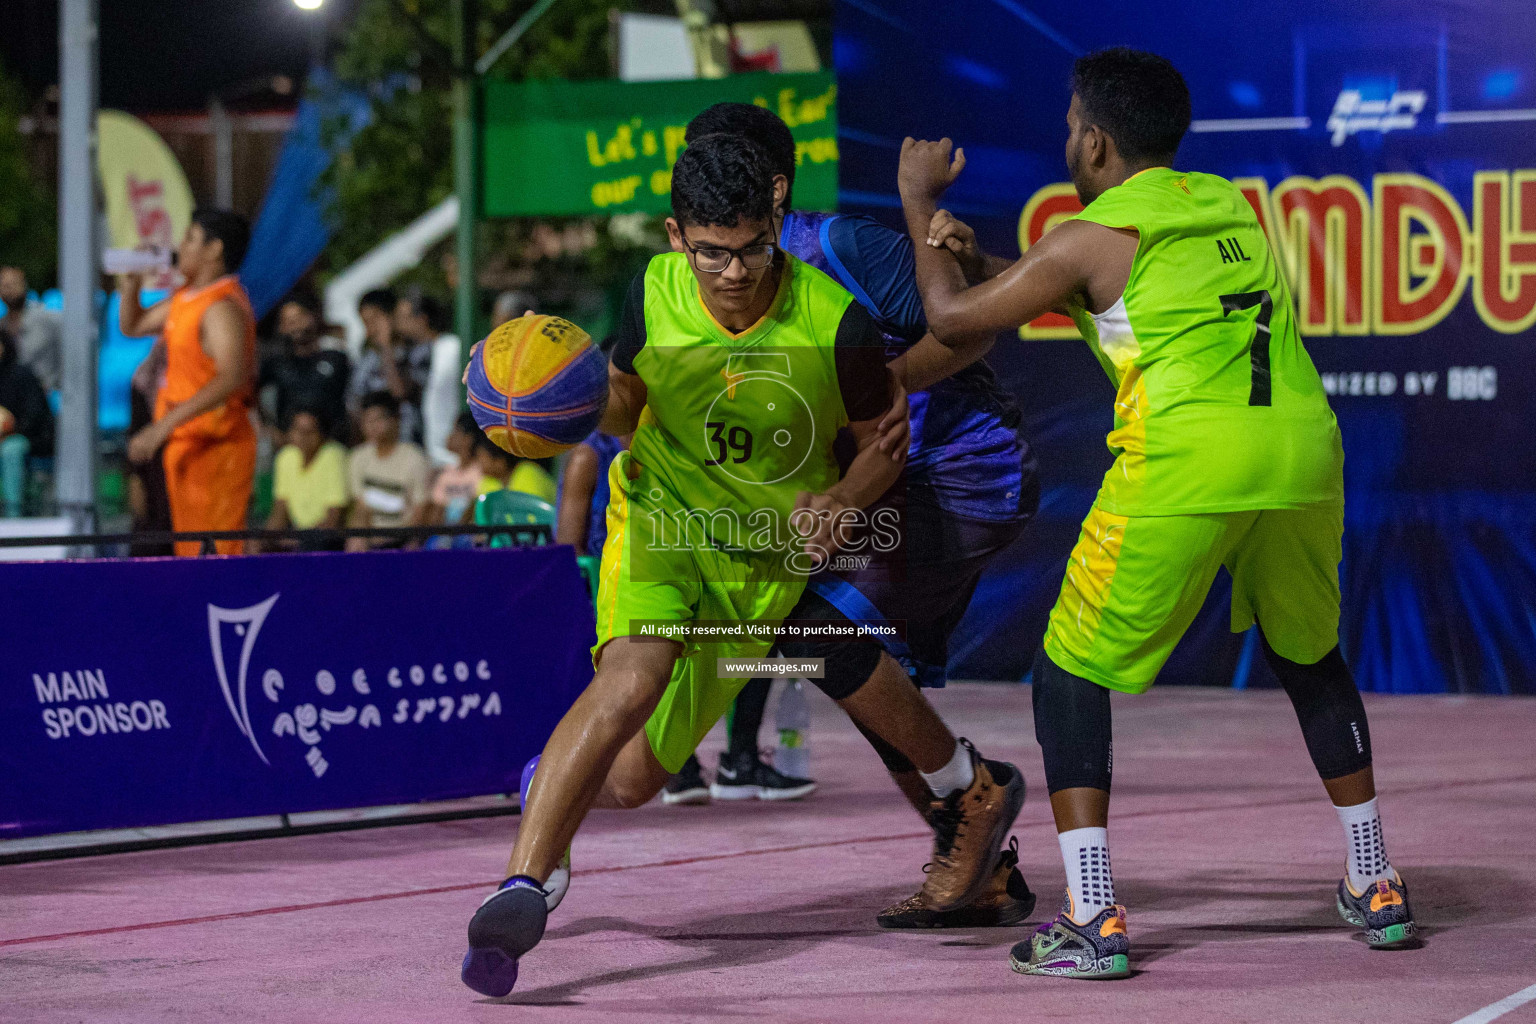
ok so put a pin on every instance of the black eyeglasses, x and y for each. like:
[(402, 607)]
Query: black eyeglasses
[(714, 259)]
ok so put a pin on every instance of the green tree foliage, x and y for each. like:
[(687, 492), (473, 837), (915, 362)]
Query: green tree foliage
[(402, 163), (28, 222)]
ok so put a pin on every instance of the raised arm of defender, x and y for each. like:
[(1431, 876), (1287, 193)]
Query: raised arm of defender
[(1075, 261)]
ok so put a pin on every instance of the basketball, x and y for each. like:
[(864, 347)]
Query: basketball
[(538, 386), (7, 422)]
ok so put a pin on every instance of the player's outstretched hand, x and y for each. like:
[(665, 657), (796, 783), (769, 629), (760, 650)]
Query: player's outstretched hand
[(926, 169), (946, 232)]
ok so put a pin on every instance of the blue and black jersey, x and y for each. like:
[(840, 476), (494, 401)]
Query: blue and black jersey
[(968, 449)]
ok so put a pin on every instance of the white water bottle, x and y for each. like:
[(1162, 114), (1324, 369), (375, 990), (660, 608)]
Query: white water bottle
[(137, 261), (793, 720)]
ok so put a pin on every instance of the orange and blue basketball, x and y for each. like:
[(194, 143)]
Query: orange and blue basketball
[(538, 386)]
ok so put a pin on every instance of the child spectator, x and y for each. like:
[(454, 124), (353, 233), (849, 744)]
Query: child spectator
[(583, 495), (310, 483), (500, 470), (382, 366), (388, 477), (454, 490)]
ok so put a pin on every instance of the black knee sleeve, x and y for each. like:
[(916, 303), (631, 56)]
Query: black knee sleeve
[(847, 664), (1072, 725), (1330, 711)]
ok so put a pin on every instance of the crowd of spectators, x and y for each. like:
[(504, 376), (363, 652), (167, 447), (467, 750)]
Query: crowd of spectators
[(372, 441), (380, 442), (386, 481)]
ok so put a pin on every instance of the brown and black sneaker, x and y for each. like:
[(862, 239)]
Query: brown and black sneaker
[(968, 830), (1005, 900)]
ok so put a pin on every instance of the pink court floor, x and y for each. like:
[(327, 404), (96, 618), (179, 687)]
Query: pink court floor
[(1225, 852)]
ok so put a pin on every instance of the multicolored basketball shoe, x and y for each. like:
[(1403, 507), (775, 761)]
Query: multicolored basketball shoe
[(559, 882), (1382, 911), (1063, 948)]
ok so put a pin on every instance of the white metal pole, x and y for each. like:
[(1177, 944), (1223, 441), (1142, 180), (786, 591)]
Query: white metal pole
[(75, 476), (223, 154)]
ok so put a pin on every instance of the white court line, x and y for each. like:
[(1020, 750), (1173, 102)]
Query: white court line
[(1251, 124), (1484, 116), (1495, 1010)]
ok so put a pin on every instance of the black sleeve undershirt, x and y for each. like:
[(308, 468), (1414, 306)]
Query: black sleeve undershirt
[(859, 352), (629, 338)]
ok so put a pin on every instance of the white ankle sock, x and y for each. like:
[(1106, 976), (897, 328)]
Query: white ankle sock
[(1085, 853), (957, 774), (1367, 851)]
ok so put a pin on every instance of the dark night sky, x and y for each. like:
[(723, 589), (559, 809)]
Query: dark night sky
[(166, 54)]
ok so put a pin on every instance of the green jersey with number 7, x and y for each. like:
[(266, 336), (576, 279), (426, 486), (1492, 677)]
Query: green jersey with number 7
[(1218, 407)]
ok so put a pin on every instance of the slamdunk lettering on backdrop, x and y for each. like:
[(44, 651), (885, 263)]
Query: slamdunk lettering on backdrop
[(1388, 256), (307, 722)]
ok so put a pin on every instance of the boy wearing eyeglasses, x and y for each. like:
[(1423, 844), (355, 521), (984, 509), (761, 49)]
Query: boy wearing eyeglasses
[(735, 367)]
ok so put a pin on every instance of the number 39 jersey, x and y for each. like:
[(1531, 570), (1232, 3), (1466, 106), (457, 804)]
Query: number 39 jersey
[(1218, 407), (737, 424)]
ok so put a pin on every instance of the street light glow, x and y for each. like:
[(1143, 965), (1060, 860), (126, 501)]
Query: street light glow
[(308, 5)]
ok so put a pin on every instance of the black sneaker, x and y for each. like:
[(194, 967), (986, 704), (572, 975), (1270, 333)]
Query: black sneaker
[(746, 777), (687, 786)]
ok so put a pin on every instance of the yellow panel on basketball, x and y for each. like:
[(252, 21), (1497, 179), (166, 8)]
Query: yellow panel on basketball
[(538, 386)]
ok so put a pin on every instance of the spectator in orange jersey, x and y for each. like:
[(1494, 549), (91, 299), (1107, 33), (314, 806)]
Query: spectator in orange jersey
[(202, 414)]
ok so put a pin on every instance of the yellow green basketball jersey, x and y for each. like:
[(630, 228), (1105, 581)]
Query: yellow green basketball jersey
[(1218, 406), (737, 425)]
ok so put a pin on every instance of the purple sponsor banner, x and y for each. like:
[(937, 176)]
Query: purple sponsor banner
[(155, 691)]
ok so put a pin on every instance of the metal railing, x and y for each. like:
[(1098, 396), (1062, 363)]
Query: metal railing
[(525, 534)]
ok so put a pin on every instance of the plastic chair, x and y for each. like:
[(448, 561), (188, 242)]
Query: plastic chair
[(513, 508), (588, 564)]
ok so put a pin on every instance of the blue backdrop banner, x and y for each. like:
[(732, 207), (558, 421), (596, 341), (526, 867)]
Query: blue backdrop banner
[(1389, 149), (156, 691)]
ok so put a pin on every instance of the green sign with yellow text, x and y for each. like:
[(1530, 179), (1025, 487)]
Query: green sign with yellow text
[(553, 148)]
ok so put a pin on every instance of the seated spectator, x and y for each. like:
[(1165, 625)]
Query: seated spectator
[(500, 470), (388, 477), (454, 490), (309, 487), (583, 495), (26, 424), (304, 375), (37, 331), (435, 363)]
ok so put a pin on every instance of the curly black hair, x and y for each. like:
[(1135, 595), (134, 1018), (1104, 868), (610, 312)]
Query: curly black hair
[(722, 180), (1138, 98), (759, 124)]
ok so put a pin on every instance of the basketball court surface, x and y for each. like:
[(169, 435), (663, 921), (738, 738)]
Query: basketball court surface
[(1226, 855)]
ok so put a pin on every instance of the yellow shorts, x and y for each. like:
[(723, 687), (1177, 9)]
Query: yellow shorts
[(1134, 584), (644, 586)]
